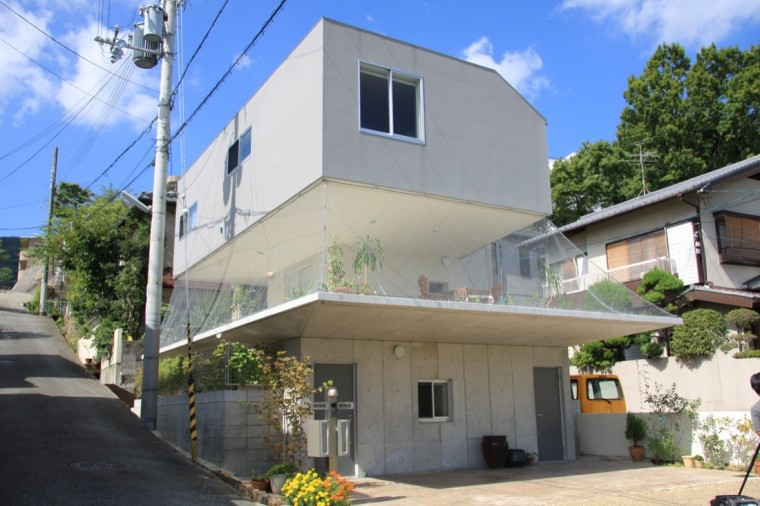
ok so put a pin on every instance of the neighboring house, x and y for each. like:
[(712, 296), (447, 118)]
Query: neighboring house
[(705, 230), (377, 207)]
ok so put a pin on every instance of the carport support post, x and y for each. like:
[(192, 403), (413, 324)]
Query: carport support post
[(332, 431), (149, 407)]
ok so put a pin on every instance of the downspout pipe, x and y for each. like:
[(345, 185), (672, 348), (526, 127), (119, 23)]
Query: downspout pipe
[(698, 242)]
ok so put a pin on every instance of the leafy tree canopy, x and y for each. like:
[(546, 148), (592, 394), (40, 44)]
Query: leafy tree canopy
[(681, 120), (103, 248)]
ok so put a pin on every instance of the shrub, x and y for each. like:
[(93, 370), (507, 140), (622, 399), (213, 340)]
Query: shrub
[(607, 295), (172, 375), (309, 489), (635, 429), (747, 354), (702, 332), (594, 355), (661, 289)]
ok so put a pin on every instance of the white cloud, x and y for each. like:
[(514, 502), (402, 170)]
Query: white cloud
[(23, 82), (244, 63), (692, 23), (520, 69), (26, 87)]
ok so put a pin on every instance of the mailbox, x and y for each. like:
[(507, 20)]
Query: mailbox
[(318, 438)]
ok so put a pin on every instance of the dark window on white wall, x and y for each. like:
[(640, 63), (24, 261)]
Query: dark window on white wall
[(390, 102), (433, 400), (187, 220), (239, 151)]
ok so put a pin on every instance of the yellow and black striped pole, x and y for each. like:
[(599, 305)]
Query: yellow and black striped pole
[(191, 397)]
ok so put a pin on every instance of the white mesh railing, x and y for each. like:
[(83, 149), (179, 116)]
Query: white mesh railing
[(351, 239)]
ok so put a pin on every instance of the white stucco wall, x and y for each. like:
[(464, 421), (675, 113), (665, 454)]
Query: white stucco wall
[(483, 141), (285, 117), (492, 393)]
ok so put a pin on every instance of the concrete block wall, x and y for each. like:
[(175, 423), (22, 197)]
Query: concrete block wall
[(492, 393), (230, 432)]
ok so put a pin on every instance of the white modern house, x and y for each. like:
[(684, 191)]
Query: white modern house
[(378, 207)]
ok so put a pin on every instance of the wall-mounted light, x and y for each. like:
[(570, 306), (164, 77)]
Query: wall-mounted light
[(218, 335), (399, 351)]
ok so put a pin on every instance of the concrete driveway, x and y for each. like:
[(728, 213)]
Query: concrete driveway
[(587, 481)]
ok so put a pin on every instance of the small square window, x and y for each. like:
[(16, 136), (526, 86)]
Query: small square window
[(192, 216), (433, 400), (239, 151), (390, 102)]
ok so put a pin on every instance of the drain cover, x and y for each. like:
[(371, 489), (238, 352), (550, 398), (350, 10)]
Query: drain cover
[(101, 465)]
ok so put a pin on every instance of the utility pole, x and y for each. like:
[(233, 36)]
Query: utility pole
[(159, 26), (149, 408), (44, 285)]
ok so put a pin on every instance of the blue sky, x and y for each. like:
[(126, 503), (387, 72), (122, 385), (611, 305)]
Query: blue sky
[(570, 58)]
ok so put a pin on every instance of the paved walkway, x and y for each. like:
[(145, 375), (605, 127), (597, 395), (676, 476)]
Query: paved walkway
[(587, 481)]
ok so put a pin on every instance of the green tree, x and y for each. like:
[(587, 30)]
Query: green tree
[(102, 246), (661, 289), (703, 331), (597, 176), (6, 273), (694, 119), (688, 119)]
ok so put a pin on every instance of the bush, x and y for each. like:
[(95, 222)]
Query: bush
[(172, 375), (702, 332), (661, 289), (747, 354), (594, 355), (310, 489), (635, 429), (607, 295)]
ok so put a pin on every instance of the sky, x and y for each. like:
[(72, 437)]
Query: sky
[(570, 59)]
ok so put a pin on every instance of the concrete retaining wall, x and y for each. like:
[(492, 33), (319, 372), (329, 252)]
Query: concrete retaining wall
[(230, 432)]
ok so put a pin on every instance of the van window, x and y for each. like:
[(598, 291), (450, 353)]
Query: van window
[(574, 389), (603, 388)]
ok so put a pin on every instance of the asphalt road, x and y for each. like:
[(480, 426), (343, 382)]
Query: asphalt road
[(66, 439)]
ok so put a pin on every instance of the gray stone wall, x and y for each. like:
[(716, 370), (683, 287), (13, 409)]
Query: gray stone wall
[(230, 432)]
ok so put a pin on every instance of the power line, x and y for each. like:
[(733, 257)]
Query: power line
[(43, 67), (197, 49), (64, 46), (229, 71)]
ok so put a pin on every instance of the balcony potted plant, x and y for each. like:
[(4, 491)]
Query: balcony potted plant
[(636, 432), (369, 256)]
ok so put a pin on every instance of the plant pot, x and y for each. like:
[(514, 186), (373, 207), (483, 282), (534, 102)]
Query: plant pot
[(688, 460), (276, 482), (637, 453), (699, 464), (495, 451), (260, 484)]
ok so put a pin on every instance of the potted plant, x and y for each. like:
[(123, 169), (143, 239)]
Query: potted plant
[(259, 481), (278, 474), (370, 256), (688, 460), (530, 457), (636, 432), (699, 461)]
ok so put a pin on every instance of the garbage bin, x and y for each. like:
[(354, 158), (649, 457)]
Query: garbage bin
[(495, 451)]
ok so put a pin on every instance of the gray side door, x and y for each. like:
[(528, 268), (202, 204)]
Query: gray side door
[(547, 390), (343, 378)]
